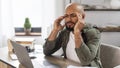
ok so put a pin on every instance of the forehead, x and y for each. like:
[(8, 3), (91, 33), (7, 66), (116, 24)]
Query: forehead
[(72, 10)]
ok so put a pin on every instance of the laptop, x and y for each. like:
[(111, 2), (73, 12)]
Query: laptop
[(23, 56), (25, 59)]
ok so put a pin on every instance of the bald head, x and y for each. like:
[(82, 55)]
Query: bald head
[(74, 7)]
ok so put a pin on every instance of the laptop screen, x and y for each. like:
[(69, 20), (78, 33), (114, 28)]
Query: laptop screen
[(22, 55)]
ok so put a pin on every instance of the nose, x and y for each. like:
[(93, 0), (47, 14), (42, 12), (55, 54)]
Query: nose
[(69, 18)]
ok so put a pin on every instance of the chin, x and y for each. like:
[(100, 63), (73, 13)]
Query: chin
[(69, 29)]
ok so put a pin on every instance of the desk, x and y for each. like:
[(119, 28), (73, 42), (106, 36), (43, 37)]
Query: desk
[(46, 61)]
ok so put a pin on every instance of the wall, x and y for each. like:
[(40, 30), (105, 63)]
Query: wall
[(112, 38), (59, 8), (102, 18), (48, 16), (27, 8), (59, 11), (6, 21)]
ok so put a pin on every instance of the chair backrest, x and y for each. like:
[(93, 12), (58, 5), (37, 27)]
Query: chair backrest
[(10, 48), (110, 56)]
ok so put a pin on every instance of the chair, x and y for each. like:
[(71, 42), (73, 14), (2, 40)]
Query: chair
[(10, 48), (110, 56)]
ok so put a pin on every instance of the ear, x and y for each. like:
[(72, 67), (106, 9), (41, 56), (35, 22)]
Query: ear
[(83, 16)]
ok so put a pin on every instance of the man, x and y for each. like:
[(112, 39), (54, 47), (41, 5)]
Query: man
[(80, 42)]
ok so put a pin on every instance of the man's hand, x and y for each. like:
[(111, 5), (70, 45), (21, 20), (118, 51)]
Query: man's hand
[(80, 23), (57, 25), (57, 28), (77, 29)]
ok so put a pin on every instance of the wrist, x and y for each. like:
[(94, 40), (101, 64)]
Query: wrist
[(77, 31), (77, 35), (55, 30), (53, 35)]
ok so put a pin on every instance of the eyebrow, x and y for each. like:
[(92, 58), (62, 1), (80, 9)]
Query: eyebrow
[(69, 14)]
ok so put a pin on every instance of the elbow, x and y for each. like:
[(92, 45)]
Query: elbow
[(90, 58), (87, 60)]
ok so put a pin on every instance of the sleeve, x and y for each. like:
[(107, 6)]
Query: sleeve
[(87, 52), (52, 46)]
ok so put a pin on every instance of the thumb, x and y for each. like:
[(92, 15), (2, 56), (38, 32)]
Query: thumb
[(63, 26)]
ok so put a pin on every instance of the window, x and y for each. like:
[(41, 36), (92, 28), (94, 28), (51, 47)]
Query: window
[(27, 8)]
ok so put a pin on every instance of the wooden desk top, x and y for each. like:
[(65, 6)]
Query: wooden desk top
[(46, 61), (4, 57)]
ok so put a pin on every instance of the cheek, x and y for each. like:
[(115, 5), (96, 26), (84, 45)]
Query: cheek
[(74, 20), (65, 20)]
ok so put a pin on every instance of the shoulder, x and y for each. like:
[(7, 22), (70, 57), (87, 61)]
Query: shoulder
[(89, 30), (93, 32)]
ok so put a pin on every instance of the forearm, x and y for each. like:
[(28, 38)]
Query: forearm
[(78, 39), (50, 45), (88, 51), (53, 35)]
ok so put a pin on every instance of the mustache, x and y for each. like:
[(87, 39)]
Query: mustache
[(70, 22)]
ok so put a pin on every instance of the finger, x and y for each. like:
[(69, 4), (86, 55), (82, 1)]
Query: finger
[(79, 16), (61, 18), (65, 15), (58, 20), (63, 26)]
